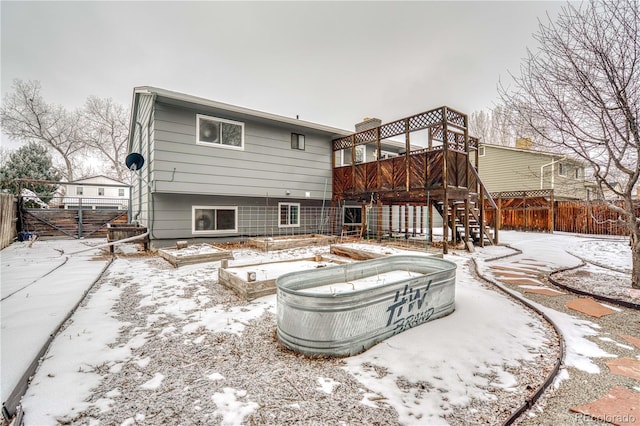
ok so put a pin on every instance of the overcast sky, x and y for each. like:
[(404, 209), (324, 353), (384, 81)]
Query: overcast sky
[(328, 62)]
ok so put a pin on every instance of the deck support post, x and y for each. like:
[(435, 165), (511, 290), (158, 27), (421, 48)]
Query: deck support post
[(445, 172), (379, 217), (406, 221)]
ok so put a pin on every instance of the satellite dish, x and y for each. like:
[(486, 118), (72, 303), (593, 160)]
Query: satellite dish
[(134, 161)]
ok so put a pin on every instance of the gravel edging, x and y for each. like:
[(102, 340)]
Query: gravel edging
[(550, 378)]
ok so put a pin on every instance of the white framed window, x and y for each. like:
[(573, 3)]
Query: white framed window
[(562, 169), (297, 141), (387, 154), (481, 151), (213, 219), (578, 173), (213, 131), (101, 192), (289, 215), (361, 152), (120, 192), (79, 190)]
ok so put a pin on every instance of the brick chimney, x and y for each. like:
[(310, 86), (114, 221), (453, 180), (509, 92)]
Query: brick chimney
[(523, 143), (368, 123)]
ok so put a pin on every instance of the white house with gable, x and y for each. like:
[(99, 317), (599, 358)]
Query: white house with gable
[(96, 192)]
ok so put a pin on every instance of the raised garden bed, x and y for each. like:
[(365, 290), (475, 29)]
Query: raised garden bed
[(257, 280), (195, 253), (346, 309), (281, 243)]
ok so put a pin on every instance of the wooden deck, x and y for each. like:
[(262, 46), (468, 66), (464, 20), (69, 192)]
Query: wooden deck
[(441, 175)]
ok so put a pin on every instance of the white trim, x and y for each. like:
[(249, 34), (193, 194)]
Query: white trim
[(296, 225), (235, 109), (212, 231), (564, 166), (220, 120)]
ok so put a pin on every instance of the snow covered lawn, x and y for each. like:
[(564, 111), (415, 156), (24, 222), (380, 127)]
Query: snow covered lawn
[(154, 344)]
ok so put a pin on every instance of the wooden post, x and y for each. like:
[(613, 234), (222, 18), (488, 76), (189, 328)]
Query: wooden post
[(390, 220), (467, 172), (406, 221), (552, 212), (363, 220), (353, 163), (378, 166), (445, 196), (430, 212), (379, 216), (407, 156)]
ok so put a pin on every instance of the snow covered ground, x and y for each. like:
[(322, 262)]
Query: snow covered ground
[(468, 356)]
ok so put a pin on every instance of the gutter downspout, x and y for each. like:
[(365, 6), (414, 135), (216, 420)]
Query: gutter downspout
[(135, 218), (564, 157)]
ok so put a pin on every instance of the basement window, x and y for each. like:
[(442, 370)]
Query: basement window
[(213, 220), (352, 216), (297, 141), (219, 132), (289, 215)]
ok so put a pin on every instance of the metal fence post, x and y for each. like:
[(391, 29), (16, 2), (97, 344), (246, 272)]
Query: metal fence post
[(79, 217)]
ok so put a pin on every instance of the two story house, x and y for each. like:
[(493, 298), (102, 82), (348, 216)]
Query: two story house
[(521, 168), (214, 170), (95, 192)]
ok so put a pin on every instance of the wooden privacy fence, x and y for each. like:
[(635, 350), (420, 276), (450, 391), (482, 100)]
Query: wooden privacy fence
[(8, 217), (537, 211), (590, 217), (71, 223), (523, 210)]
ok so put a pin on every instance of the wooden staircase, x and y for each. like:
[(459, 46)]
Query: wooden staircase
[(479, 233)]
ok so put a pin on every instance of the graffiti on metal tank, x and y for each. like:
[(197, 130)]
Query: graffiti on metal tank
[(409, 308)]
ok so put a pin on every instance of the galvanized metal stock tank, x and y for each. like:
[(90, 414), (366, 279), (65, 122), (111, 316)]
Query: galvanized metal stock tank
[(315, 319)]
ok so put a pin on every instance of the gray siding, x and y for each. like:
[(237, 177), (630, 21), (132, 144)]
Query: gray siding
[(516, 170), (266, 167), (142, 134), (256, 216)]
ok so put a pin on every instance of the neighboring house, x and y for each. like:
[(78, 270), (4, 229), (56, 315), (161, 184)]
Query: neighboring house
[(504, 169), (95, 192), (608, 194), (214, 170)]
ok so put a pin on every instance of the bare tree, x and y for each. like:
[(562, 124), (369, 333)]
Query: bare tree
[(581, 91), (105, 130), (495, 126), (26, 117)]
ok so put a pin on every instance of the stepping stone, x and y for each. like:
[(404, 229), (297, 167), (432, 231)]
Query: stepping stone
[(511, 274), (620, 406), (589, 307), (509, 268), (518, 281), (545, 291), (627, 367), (634, 293), (635, 341), (532, 263)]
